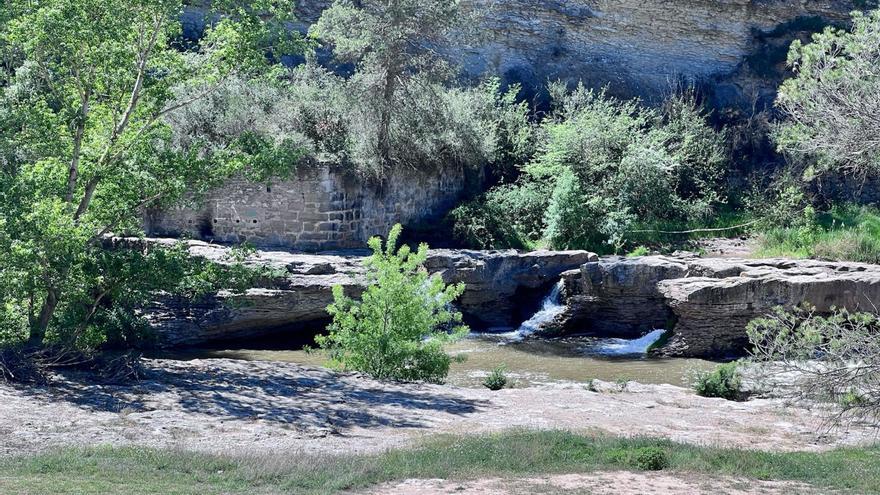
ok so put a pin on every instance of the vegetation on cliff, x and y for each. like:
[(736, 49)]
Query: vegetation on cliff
[(603, 168)]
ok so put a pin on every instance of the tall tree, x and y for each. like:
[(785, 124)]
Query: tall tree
[(832, 103), (84, 148), (391, 41)]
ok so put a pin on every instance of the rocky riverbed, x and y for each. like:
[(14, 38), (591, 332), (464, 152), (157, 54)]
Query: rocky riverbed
[(240, 407)]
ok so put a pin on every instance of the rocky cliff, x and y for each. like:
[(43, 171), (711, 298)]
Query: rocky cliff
[(705, 303), (735, 48), (503, 288)]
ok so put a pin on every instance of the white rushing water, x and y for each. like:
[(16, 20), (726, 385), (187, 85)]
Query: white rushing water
[(624, 347), (550, 308)]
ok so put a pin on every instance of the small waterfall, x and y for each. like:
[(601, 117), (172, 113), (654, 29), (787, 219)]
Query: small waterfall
[(624, 347), (550, 308)]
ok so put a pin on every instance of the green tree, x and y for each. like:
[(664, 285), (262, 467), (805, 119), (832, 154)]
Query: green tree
[(394, 44), (821, 358), (399, 327), (602, 168), (833, 101), (84, 146)]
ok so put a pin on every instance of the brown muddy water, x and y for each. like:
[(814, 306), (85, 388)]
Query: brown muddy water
[(528, 362)]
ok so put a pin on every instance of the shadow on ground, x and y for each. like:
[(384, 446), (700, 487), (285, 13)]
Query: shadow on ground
[(289, 395)]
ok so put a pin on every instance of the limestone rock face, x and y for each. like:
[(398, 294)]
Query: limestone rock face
[(296, 299), (705, 302), (493, 279), (637, 48), (736, 48)]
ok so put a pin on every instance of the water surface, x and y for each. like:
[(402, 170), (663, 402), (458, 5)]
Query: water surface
[(529, 362)]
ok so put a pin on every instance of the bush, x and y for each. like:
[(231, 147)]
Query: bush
[(638, 251), (832, 358), (310, 116), (651, 459), (724, 382), (496, 379), (834, 99), (399, 327), (504, 217), (604, 167), (648, 458)]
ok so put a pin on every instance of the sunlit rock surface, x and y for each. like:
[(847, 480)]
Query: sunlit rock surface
[(706, 303), (499, 286)]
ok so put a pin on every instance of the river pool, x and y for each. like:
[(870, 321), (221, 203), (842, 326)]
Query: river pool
[(528, 361)]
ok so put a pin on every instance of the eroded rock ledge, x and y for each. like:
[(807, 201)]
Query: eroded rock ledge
[(705, 302), (500, 287)]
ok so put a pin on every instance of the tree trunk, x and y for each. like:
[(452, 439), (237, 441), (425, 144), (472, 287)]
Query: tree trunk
[(384, 136), (38, 330)]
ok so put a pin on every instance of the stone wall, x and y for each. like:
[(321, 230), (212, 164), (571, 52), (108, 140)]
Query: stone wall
[(318, 209)]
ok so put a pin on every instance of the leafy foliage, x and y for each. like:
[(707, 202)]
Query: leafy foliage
[(834, 99), (310, 116), (833, 358), (650, 459), (604, 167), (724, 382), (397, 84), (85, 146), (399, 327), (497, 379)]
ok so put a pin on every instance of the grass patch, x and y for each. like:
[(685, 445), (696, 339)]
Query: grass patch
[(515, 453), (845, 233)]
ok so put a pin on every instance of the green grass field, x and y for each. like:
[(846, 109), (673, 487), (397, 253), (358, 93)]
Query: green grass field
[(845, 233), (516, 453)]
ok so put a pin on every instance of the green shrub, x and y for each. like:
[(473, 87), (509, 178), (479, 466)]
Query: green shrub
[(496, 379), (509, 216), (724, 382), (639, 251), (603, 167), (651, 459), (311, 116), (399, 327), (647, 458), (831, 100), (13, 324), (575, 219)]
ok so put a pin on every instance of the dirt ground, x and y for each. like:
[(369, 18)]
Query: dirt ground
[(229, 406), (601, 483)]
